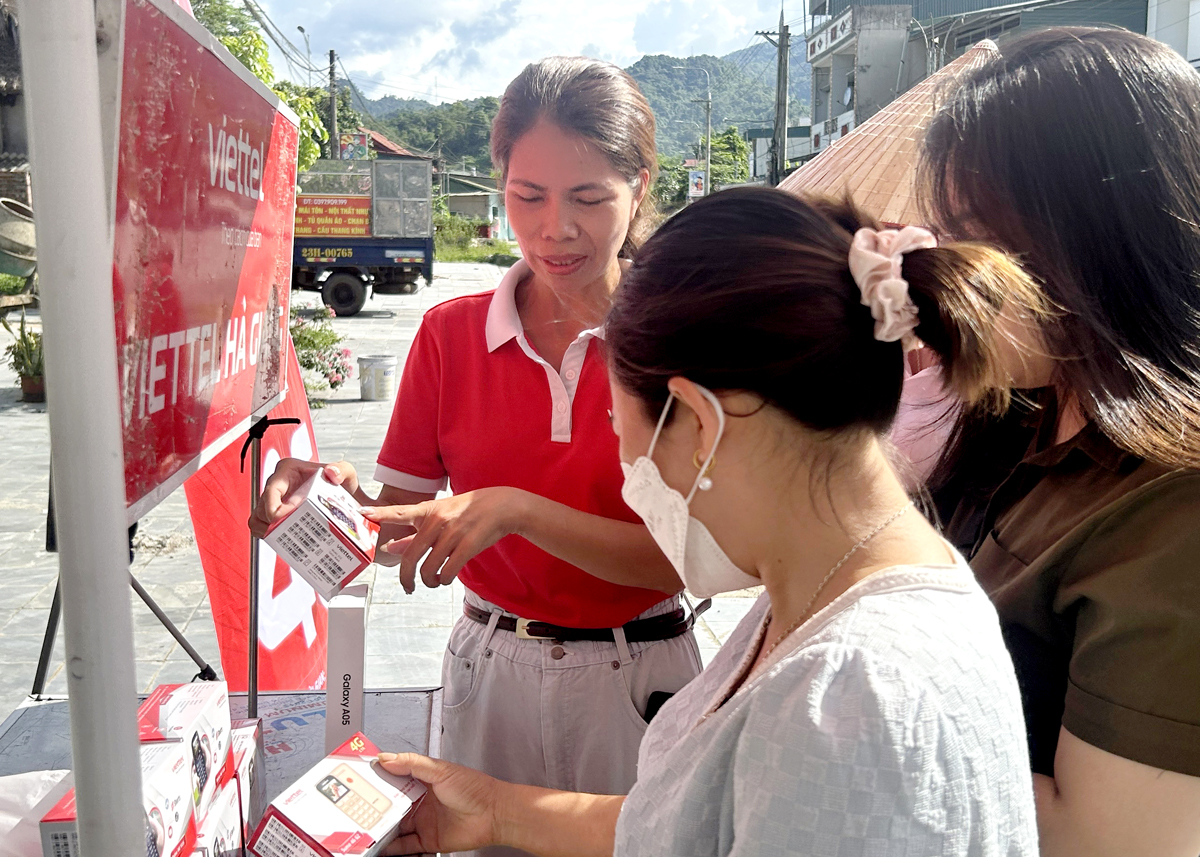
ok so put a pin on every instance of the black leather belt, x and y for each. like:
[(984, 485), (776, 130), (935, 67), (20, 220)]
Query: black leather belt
[(664, 627)]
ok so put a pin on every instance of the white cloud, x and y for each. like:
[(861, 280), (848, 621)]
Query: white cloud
[(468, 48)]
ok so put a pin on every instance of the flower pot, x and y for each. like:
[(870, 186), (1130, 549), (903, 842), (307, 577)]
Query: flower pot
[(33, 389)]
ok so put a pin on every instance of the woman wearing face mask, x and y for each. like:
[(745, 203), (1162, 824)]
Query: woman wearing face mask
[(1081, 514), (866, 704), (567, 631)]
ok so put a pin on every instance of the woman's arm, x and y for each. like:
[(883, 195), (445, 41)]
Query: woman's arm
[(1102, 805), (465, 809), (454, 529)]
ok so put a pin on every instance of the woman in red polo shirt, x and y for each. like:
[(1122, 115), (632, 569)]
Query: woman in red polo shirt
[(572, 620)]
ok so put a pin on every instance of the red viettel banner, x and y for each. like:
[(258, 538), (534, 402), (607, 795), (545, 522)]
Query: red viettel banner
[(204, 200), (291, 618)]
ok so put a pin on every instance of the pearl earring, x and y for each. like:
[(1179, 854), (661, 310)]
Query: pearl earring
[(705, 482)]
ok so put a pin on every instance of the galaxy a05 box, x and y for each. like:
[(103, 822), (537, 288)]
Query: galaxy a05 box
[(346, 804), (325, 540), (170, 818)]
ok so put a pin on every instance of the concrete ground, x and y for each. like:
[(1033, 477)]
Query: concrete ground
[(406, 633)]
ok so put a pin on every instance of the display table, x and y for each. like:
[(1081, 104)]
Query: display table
[(37, 736)]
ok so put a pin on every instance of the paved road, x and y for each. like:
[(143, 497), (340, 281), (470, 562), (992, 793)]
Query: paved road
[(406, 634)]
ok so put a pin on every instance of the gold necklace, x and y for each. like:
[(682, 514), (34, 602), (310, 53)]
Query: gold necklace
[(821, 587)]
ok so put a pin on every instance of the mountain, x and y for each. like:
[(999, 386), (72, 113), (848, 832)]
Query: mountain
[(759, 61), (743, 94)]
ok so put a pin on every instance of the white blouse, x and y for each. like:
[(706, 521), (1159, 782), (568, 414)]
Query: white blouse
[(890, 723)]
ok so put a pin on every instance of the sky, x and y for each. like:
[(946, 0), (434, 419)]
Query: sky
[(445, 50)]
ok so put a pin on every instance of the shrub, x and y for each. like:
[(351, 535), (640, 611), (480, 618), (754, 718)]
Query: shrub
[(25, 353), (319, 351)]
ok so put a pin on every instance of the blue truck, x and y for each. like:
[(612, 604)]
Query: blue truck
[(363, 226)]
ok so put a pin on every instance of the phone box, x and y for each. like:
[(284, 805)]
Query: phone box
[(344, 659), (344, 805), (325, 540), (197, 715), (221, 833), (248, 771), (166, 798)]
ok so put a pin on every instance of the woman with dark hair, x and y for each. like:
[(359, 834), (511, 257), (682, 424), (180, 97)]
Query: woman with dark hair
[(866, 704), (573, 628), (1079, 150)]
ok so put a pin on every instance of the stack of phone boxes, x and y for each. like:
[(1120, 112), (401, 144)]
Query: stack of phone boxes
[(345, 805), (193, 779)]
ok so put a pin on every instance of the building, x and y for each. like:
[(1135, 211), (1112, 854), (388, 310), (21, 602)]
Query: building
[(865, 54), (14, 144), (479, 198), (799, 147)]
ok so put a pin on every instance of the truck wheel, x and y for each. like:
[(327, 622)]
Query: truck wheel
[(345, 294)]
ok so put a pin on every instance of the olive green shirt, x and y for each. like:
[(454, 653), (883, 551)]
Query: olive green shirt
[(1092, 558)]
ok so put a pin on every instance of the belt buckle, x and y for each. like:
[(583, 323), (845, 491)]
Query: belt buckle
[(523, 631)]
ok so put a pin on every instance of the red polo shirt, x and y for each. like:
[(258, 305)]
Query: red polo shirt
[(479, 407)]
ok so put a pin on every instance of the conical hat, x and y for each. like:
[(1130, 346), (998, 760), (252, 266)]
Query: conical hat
[(877, 161)]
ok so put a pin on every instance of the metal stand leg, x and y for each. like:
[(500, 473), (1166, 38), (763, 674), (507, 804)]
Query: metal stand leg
[(253, 444), (43, 665), (207, 673)]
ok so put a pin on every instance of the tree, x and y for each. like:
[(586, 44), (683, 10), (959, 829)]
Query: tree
[(730, 165), (239, 33)]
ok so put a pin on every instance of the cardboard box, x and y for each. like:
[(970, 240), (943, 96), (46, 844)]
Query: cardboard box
[(325, 539), (196, 715), (248, 770), (221, 833), (344, 659), (166, 797), (344, 805)]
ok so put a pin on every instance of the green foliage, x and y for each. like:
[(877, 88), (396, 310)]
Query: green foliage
[(348, 118), (730, 165), (489, 251), (25, 353), (452, 234), (240, 34), (11, 285), (463, 128), (313, 134), (223, 18), (743, 94), (325, 363)]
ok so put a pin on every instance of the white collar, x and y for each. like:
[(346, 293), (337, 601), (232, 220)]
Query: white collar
[(503, 320)]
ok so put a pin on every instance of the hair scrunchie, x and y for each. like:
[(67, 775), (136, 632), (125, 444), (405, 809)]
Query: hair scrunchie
[(875, 260)]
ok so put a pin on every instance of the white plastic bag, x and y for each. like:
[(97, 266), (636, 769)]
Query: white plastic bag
[(24, 799)]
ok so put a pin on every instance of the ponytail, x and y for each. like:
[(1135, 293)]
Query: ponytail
[(961, 291)]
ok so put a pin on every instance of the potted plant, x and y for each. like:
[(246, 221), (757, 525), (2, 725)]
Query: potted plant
[(25, 358)]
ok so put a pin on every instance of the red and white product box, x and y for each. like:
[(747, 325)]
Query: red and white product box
[(166, 798), (345, 805), (196, 715), (221, 833), (325, 540), (248, 769)]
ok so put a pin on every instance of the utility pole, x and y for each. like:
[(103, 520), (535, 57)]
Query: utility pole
[(779, 144), (334, 146), (707, 102)]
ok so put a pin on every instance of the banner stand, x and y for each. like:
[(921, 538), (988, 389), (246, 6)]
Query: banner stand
[(207, 673), (253, 444)]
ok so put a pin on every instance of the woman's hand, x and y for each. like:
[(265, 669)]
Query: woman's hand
[(279, 497), (458, 812), (452, 530)]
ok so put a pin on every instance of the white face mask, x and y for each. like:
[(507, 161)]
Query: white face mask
[(705, 569)]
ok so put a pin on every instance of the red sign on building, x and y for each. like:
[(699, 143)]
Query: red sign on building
[(204, 199), (335, 216)]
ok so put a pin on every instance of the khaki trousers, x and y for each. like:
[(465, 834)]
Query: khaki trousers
[(565, 715)]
